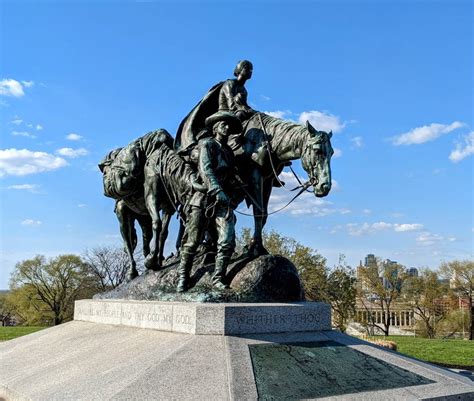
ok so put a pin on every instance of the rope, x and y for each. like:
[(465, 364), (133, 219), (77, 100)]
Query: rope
[(303, 188)]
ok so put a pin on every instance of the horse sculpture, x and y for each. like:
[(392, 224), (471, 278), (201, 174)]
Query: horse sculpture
[(168, 180), (285, 141)]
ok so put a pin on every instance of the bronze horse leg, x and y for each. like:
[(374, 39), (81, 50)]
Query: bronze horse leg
[(256, 247), (147, 232), (129, 235), (153, 207), (167, 214)]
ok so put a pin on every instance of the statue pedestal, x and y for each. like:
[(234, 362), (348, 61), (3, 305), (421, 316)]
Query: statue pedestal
[(247, 352), (208, 318)]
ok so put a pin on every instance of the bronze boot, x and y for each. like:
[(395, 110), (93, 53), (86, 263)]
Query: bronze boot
[(218, 279), (183, 271)]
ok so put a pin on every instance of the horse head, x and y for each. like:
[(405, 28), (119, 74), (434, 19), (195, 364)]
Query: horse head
[(316, 160)]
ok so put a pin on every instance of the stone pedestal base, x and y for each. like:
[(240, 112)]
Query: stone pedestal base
[(250, 352), (208, 318)]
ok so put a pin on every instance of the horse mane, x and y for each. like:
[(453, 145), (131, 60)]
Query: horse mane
[(281, 130)]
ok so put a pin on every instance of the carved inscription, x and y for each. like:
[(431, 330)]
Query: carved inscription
[(129, 315), (183, 319), (266, 319), (156, 317), (103, 310)]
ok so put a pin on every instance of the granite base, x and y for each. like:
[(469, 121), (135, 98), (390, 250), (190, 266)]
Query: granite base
[(208, 318)]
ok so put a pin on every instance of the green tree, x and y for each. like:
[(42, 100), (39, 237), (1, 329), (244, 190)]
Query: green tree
[(341, 293), (6, 310), (310, 264), (456, 321), (380, 285), (461, 276), (28, 308), (424, 294), (50, 286)]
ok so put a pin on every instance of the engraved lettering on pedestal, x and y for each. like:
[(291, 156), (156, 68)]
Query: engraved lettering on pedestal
[(183, 319)]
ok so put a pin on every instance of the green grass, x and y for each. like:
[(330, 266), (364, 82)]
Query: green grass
[(11, 332), (455, 353)]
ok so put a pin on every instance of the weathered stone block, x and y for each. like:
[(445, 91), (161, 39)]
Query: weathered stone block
[(208, 318)]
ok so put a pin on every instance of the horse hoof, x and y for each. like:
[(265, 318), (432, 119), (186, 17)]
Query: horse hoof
[(150, 263), (255, 250), (131, 274)]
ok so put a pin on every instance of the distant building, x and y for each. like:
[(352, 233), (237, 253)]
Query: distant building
[(387, 281), (370, 260), (412, 272)]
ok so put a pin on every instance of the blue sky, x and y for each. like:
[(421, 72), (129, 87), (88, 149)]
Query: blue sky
[(393, 80)]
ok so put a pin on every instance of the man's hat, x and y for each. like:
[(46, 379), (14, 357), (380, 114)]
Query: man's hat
[(231, 118)]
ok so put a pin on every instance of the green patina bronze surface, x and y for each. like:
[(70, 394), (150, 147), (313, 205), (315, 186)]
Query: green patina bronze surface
[(322, 369), (223, 153)]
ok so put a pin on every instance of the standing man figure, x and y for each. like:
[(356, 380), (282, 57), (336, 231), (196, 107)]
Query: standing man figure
[(215, 166)]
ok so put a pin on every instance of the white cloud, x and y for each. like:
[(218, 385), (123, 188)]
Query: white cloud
[(25, 187), (366, 228), (23, 162), (17, 121), (279, 113), (366, 211), (112, 236), (81, 205), (72, 153), (426, 238), (39, 127), (335, 186), (23, 133), (306, 204), (11, 87), (31, 223), (337, 153), (74, 137), (266, 98), (357, 141), (425, 134), (463, 150), (408, 227), (322, 121), (27, 84)]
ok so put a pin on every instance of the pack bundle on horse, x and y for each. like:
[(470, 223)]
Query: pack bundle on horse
[(123, 180)]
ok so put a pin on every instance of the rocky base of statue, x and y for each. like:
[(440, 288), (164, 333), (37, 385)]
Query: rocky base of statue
[(267, 278)]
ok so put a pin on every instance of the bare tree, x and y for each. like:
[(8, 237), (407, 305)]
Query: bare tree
[(109, 265)]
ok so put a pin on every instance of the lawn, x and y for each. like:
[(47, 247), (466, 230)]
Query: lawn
[(453, 353), (11, 332)]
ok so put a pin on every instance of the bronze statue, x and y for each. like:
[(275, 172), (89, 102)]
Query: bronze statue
[(205, 178)]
